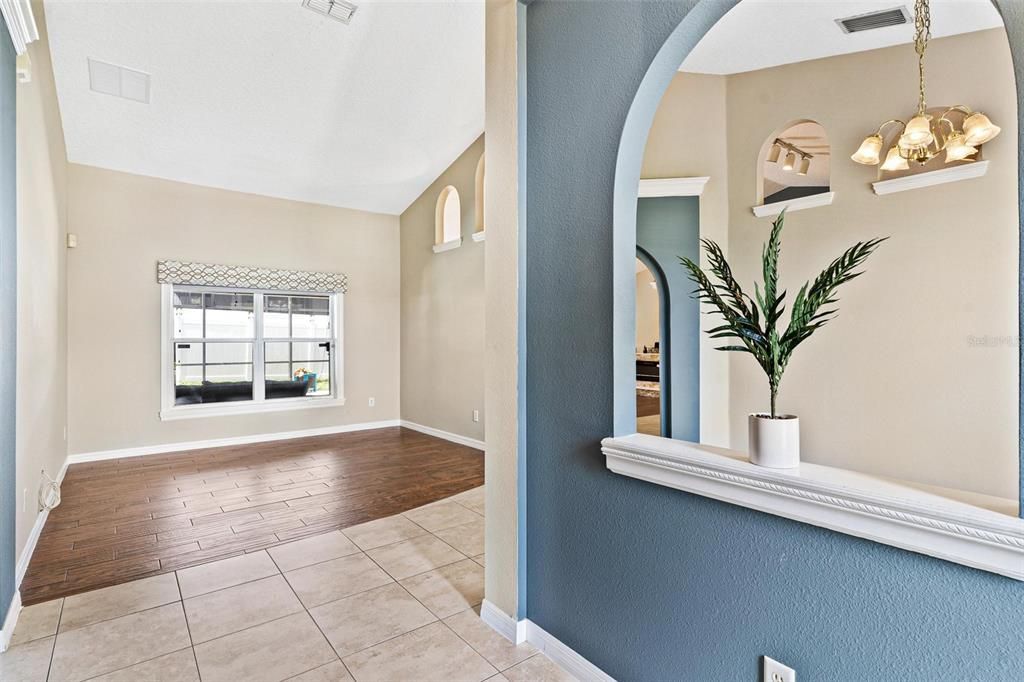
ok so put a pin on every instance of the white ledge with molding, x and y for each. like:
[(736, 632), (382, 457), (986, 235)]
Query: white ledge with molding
[(975, 530)]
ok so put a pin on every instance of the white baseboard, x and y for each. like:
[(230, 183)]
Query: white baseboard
[(10, 621), (569, 660), (223, 442), (447, 435), (504, 624), (527, 631)]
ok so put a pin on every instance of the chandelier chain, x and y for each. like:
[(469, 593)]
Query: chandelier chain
[(922, 33)]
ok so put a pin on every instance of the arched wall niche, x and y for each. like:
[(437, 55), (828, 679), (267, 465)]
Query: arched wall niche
[(663, 68), (448, 217), (805, 135)]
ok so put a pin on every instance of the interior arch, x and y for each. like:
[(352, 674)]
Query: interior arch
[(627, 175)]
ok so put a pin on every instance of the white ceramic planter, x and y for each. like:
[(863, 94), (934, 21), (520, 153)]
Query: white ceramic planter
[(774, 443)]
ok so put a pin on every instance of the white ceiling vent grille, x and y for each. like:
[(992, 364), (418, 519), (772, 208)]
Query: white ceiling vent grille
[(873, 20), (335, 9), (111, 79)]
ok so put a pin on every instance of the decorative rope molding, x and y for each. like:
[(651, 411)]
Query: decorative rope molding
[(856, 504), (207, 274)]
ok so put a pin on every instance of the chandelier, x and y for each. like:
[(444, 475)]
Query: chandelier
[(925, 136)]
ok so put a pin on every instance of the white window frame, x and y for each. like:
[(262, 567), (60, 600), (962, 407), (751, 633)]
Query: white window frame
[(169, 411)]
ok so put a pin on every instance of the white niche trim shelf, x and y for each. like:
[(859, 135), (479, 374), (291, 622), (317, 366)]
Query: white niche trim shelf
[(969, 529), (798, 204), (965, 171), (672, 187)]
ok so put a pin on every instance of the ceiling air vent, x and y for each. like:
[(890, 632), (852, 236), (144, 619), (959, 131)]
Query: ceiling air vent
[(873, 20), (119, 81), (335, 9)]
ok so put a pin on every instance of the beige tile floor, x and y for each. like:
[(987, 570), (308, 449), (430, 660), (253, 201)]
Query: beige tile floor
[(393, 599)]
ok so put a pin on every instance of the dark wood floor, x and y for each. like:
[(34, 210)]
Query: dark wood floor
[(125, 519), (647, 406)]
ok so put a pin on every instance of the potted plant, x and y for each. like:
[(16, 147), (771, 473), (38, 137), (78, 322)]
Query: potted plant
[(774, 438)]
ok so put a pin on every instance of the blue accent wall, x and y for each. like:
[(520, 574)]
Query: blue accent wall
[(667, 228), (646, 582), (8, 319)]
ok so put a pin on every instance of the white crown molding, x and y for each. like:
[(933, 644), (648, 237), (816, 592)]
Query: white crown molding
[(446, 435), (798, 204), (889, 512), (672, 187), (21, 24), (965, 171)]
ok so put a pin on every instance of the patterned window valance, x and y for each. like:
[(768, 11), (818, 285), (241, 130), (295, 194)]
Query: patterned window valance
[(207, 274)]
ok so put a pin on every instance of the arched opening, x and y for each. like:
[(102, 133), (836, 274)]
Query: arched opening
[(653, 348), (448, 220), (478, 183), (904, 285), (795, 162)]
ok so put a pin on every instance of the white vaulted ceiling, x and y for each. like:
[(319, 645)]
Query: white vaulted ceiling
[(757, 34), (267, 97)]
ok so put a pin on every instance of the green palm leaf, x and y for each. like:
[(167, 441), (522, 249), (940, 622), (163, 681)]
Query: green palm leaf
[(755, 321)]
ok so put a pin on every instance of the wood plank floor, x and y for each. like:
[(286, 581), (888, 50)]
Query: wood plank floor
[(126, 519)]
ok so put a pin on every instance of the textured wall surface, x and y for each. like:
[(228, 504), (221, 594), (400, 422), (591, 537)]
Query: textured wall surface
[(8, 318), (666, 228), (443, 310), (650, 583), (42, 282), (126, 223)]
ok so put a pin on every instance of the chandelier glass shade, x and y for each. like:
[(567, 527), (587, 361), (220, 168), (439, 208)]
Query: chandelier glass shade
[(925, 135)]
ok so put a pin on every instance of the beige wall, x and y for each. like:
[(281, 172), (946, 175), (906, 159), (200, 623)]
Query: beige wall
[(683, 144), (125, 223), (893, 386), (648, 328), (42, 285), (443, 310), (501, 333)]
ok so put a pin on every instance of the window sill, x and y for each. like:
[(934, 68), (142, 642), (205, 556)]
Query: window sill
[(790, 205), (448, 246), (965, 528), (228, 409), (479, 236)]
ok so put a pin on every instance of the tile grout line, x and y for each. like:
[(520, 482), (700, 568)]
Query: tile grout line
[(359, 550), (315, 623), (53, 649), (188, 627)]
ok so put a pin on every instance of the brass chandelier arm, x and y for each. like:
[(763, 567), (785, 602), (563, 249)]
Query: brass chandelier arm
[(922, 138), (902, 123)]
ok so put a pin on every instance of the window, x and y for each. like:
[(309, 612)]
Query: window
[(248, 350), (448, 220)]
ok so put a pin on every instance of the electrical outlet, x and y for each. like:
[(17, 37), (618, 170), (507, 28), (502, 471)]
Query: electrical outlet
[(476, 415), (373, 401), (773, 671)]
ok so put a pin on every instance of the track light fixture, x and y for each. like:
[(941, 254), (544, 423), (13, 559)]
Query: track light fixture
[(925, 136), (796, 159)]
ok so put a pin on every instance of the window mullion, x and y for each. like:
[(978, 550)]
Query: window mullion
[(259, 388)]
